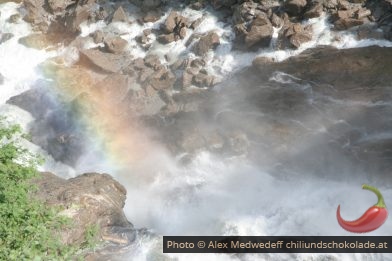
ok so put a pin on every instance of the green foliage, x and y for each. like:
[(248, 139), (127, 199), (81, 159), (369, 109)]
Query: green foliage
[(91, 236), (28, 228)]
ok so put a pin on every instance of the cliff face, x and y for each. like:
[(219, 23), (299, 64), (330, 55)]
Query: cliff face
[(90, 200)]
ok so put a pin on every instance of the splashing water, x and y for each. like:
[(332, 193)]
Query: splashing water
[(211, 196)]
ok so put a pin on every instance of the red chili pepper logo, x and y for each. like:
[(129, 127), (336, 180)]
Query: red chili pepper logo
[(372, 219)]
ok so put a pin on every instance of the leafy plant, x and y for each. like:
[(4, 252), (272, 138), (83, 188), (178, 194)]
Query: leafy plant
[(28, 228)]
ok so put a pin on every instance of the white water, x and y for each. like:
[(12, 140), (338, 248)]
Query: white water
[(211, 196)]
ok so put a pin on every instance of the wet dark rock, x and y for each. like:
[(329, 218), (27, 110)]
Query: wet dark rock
[(174, 28), (90, 199), (314, 10), (348, 68), (217, 4), (295, 7), (147, 4), (369, 32), (115, 44), (166, 38), (54, 128), (207, 42)]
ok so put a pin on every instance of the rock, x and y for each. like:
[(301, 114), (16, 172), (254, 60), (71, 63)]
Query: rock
[(344, 24), (369, 32), (295, 7), (35, 13), (187, 78), (196, 23), (207, 42), (35, 40), (114, 87), (162, 80), (80, 15), (1, 79), (58, 6), (54, 129), (331, 4), (147, 4), (107, 62), (5, 37), (174, 28), (101, 14), (89, 200), (119, 16), (217, 4), (197, 5), (98, 36), (259, 36), (255, 34), (315, 10), (115, 44), (293, 35), (153, 61), (151, 16), (362, 13), (344, 69), (166, 38), (14, 18), (245, 12), (276, 21), (174, 22), (203, 80)]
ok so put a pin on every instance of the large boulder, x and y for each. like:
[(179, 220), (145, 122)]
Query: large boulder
[(295, 7), (253, 27), (107, 62), (293, 35), (348, 68), (207, 42), (147, 4), (36, 40), (115, 44), (89, 200), (119, 15), (174, 28), (260, 33)]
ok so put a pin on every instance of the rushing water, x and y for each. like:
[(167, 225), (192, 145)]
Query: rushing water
[(211, 195)]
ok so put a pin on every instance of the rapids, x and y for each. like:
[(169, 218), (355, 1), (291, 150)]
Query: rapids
[(214, 195)]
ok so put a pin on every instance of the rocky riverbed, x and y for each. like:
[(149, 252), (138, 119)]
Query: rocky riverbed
[(297, 89)]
